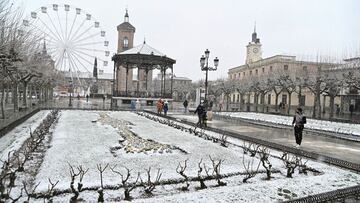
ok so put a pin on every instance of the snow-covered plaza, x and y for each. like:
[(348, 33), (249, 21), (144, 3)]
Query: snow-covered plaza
[(154, 147)]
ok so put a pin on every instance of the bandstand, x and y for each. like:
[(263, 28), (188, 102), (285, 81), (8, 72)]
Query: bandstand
[(143, 59)]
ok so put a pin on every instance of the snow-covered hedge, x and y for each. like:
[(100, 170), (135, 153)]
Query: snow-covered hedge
[(337, 127)]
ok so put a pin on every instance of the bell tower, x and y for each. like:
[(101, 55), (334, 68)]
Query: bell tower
[(125, 34), (125, 41), (253, 49)]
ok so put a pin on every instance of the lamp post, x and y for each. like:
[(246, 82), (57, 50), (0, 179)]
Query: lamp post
[(204, 64), (70, 90)]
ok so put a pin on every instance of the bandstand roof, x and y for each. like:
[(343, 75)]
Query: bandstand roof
[(143, 49), (142, 55)]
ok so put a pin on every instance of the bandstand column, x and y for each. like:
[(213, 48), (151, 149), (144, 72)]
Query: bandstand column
[(172, 80), (126, 80)]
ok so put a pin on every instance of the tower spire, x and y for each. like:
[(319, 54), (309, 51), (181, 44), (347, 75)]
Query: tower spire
[(126, 17), (95, 70), (44, 51), (255, 27)]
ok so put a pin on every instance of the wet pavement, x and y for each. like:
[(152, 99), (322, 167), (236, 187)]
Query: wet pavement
[(327, 146)]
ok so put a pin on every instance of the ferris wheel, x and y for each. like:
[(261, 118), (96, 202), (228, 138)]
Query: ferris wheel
[(73, 38)]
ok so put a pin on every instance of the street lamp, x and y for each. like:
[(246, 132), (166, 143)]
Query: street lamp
[(204, 64), (70, 90)]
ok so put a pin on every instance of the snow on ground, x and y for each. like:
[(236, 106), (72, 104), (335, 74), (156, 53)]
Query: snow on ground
[(13, 140), (337, 127), (78, 140)]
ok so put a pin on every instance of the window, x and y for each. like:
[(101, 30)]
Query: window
[(256, 72), (126, 42), (305, 68), (269, 98), (263, 70), (244, 74), (233, 97), (270, 68), (251, 72), (239, 76), (286, 67), (238, 98)]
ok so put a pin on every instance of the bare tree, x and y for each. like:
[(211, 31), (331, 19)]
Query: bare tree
[(264, 154), (216, 170), (181, 170), (124, 178), (101, 170), (150, 185), (290, 162), (223, 141), (201, 179), (251, 148), (249, 168), (50, 192), (81, 173), (29, 193)]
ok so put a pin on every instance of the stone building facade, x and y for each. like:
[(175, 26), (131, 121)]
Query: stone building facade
[(256, 67)]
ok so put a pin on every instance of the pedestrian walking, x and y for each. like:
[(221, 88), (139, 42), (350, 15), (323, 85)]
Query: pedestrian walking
[(186, 103), (159, 106), (298, 123), (351, 109), (166, 108), (201, 112)]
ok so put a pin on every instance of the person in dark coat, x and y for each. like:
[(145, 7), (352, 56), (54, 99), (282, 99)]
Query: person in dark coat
[(351, 109), (201, 112), (166, 108), (298, 123), (185, 105)]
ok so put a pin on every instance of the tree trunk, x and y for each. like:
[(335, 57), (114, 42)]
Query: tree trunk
[(30, 96), (241, 102), (227, 102), (276, 102), (289, 107), (324, 104), (332, 106), (256, 101), (263, 101), (314, 106), (248, 107), (2, 102), (299, 96), (7, 95), (25, 94), (16, 97)]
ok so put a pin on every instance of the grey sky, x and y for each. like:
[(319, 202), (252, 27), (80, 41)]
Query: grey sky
[(183, 29)]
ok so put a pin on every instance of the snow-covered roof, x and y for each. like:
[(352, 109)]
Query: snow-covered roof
[(143, 49), (181, 78)]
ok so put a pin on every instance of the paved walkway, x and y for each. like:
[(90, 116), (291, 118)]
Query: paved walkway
[(337, 148)]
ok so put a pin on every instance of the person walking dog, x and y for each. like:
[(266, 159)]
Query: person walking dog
[(298, 123)]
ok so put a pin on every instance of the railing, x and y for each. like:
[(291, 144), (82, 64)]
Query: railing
[(143, 94), (15, 119)]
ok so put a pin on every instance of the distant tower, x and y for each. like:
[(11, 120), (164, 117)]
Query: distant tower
[(253, 49), (95, 71), (44, 51), (125, 41), (125, 34)]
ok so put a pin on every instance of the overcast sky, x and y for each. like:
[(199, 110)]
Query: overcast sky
[(183, 29)]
